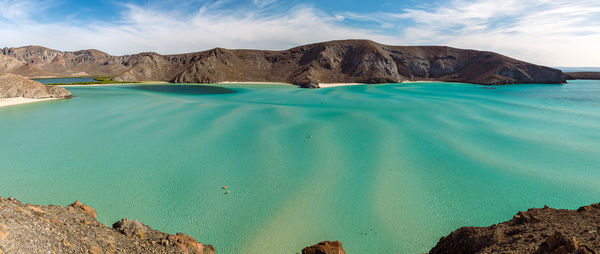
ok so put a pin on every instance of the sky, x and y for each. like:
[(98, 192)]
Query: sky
[(548, 32)]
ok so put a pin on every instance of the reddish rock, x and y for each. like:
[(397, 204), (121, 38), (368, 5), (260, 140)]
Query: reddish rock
[(3, 235), (325, 247), (78, 206)]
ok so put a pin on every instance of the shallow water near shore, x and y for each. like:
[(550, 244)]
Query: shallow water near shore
[(50, 81), (382, 168)]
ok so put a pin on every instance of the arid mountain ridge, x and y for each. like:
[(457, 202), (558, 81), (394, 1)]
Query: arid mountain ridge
[(344, 61)]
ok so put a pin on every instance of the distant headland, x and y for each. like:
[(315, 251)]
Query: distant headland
[(345, 61)]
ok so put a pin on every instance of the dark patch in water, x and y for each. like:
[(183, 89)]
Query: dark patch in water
[(487, 87), (184, 89)]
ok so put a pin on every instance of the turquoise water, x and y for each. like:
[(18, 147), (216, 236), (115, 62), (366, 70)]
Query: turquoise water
[(383, 168), (64, 80)]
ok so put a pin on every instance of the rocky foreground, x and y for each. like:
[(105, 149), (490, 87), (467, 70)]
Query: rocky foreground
[(26, 228), (15, 86), (346, 61), (538, 230)]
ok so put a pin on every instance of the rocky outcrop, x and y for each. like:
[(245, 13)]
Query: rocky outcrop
[(538, 230), (26, 228), (325, 247), (12, 86), (582, 75), (345, 61)]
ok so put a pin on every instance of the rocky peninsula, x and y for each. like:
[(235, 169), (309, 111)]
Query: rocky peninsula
[(582, 75), (346, 61), (15, 89)]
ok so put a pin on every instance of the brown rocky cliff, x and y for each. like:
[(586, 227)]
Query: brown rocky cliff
[(327, 62), (538, 230), (12, 86), (364, 62)]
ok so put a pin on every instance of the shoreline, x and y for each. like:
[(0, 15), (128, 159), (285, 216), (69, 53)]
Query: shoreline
[(5, 102), (114, 84), (246, 83), (328, 85), (321, 85)]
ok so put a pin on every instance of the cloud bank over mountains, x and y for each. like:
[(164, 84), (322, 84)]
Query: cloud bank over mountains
[(555, 33)]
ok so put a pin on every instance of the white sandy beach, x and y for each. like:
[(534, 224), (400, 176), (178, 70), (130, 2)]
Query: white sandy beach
[(20, 100), (327, 85), (252, 83), (321, 85), (421, 81)]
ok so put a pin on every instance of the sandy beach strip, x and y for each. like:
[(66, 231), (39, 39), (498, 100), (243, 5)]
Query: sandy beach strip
[(422, 81), (327, 85), (321, 85), (20, 100), (252, 83)]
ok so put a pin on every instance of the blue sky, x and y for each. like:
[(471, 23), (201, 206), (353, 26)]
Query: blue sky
[(548, 32)]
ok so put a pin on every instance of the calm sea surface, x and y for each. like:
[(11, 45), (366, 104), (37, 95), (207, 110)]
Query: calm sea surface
[(64, 80), (382, 168)]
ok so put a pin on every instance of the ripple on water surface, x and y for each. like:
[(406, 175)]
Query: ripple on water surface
[(383, 168)]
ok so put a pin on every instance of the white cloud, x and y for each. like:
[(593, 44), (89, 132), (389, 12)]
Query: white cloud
[(554, 33), (143, 28), (262, 3)]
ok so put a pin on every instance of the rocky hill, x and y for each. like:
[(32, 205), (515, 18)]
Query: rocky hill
[(582, 75), (12, 86), (538, 230), (327, 62)]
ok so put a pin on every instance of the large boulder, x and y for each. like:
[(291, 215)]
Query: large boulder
[(325, 247), (180, 241), (12, 86)]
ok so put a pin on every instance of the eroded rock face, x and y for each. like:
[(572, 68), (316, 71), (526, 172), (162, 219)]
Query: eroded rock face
[(325, 247), (12, 86), (347, 61), (538, 230), (8, 64), (26, 228)]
